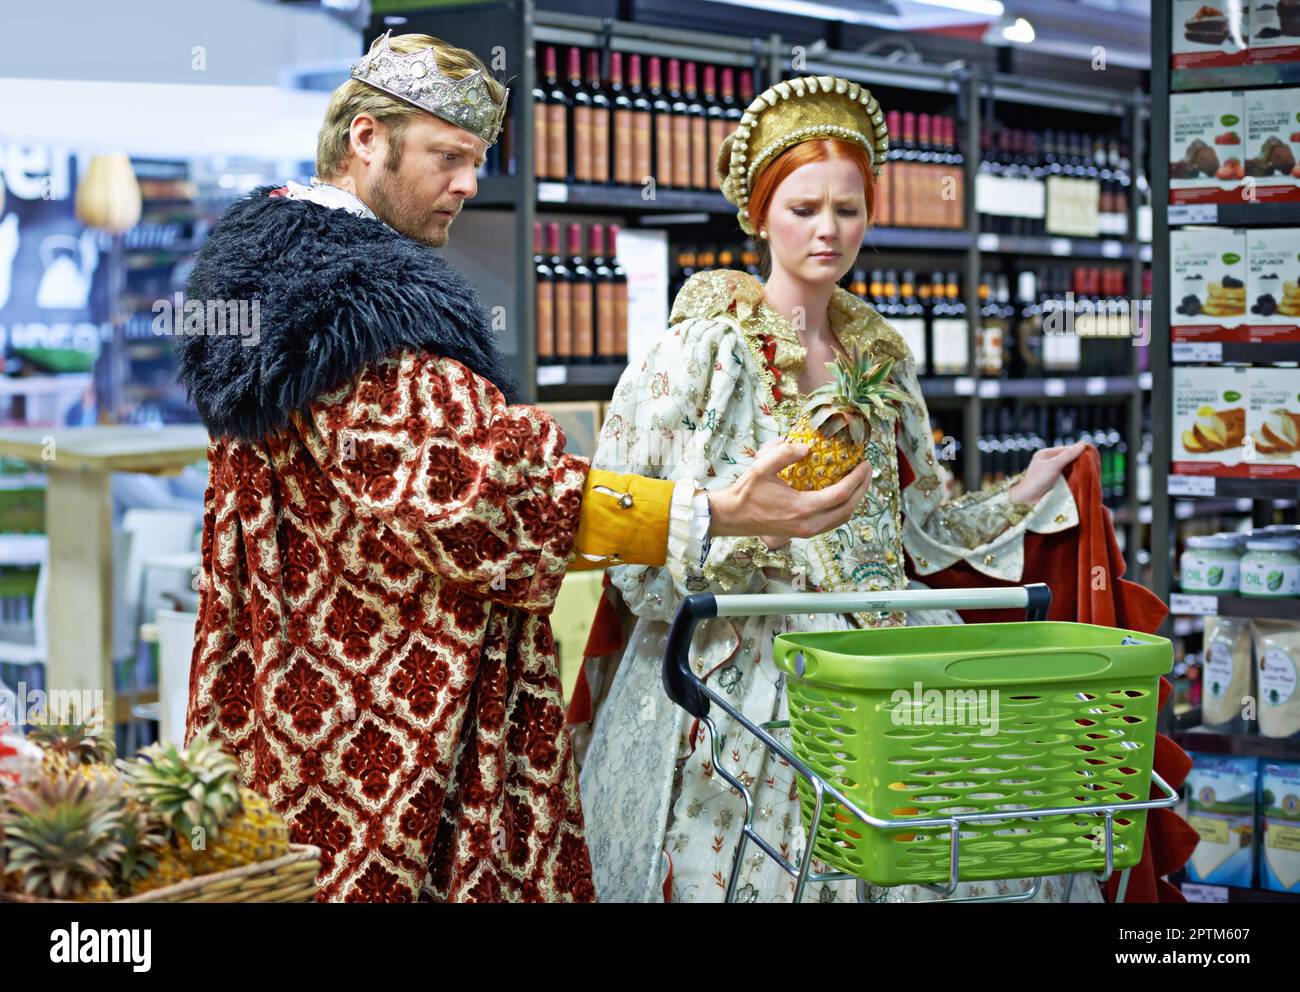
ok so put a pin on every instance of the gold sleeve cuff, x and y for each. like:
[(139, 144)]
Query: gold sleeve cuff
[(624, 521)]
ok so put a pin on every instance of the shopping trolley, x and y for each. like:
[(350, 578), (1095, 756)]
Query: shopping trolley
[(896, 791)]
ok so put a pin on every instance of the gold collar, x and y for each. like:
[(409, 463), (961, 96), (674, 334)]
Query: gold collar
[(771, 337)]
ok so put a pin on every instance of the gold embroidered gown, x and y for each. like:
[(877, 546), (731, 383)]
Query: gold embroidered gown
[(722, 382)]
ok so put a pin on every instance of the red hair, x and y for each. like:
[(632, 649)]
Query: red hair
[(819, 150)]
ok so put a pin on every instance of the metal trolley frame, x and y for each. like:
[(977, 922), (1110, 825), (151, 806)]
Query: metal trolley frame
[(687, 690)]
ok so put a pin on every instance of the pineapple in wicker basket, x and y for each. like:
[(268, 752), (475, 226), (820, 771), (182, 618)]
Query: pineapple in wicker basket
[(835, 424), (81, 828)]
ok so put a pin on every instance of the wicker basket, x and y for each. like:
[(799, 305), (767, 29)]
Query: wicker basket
[(288, 879)]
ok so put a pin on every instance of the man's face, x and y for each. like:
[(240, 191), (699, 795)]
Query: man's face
[(420, 191)]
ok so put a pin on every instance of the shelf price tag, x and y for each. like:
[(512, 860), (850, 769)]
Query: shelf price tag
[(1095, 386), (1194, 213), (1191, 485), (1197, 351), (987, 242), (1204, 893), (552, 375), (1145, 380), (1111, 249), (1054, 387), (1197, 606), (552, 192), (963, 385), (989, 389), (1061, 246)]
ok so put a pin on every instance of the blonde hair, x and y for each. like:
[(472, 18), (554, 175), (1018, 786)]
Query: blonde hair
[(334, 144)]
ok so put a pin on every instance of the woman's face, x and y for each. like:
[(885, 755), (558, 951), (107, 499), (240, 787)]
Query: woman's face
[(816, 221)]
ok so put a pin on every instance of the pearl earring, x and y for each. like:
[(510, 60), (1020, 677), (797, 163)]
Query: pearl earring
[(763, 235)]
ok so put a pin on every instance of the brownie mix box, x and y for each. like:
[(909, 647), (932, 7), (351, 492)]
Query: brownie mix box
[(1207, 278), (1272, 443), (1210, 407), (1274, 31), (1272, 142), (1206, 131), (1208, 34), (1273, 285)]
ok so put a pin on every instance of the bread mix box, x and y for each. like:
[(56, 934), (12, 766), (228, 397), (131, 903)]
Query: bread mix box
[(1272, 443), (1207, 270), (1274, 31), (1210, 406), (1270, 167), (1208, 34), (1206, 131), (1273, 285)]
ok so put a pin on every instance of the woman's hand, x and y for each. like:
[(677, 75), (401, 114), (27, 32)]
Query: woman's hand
[(761, 504), (1044, 469)]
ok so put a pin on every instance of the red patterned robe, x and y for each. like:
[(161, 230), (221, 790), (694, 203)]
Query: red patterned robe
[(373, 641)]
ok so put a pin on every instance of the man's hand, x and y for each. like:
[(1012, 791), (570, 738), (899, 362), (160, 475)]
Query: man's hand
[(1044, 469), (762, 504)]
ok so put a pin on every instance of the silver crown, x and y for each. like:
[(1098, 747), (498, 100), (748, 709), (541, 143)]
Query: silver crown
[(415, 78)]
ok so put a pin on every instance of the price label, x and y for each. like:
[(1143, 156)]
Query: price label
[(553, 192), (1061, 246), (552, 375), (1111, 249), (1144, 253), (1194, 213), (1204, 893), (1196, 606), (1197, 351), (1144, 380), (987, 242), (1191, 485), (1053, 387), (1095, 386), (963, 385), (989, 389)]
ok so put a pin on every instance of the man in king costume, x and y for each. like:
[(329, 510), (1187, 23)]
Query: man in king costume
[(384, 536)]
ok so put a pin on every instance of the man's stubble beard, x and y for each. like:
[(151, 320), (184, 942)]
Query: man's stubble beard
[(393, 209)]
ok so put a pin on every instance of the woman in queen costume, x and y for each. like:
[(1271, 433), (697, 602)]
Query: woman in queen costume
[(733, 372)]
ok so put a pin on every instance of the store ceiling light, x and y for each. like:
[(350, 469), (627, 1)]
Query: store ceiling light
[(1019, 31), (987, 8)]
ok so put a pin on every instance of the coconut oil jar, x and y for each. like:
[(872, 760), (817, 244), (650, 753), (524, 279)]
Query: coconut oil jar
[(1211, 563), (1270, 567)]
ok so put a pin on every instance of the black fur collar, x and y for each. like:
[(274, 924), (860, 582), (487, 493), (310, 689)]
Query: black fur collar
[(336, 293)]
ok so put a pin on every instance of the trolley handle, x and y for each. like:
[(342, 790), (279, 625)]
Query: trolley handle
[(685, 688)]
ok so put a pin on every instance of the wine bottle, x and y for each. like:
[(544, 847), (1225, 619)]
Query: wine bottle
[(681, 122), (698, 123), (545, 307), (579, 121), (716, 113), (623, 133), (642, 126), (663, 126), (600, 121), (562, 280), (557, 122), (583, 288), (606, 315), (619, 277), (541, 151)]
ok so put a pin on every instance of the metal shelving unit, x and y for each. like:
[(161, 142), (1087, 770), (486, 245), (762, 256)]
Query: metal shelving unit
[(518, 26)]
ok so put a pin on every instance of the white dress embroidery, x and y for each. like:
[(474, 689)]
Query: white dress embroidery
[(720, 384)]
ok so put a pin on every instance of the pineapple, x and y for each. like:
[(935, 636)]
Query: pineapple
[(73, 750), (60, 837), (211, 822), (835, 423)]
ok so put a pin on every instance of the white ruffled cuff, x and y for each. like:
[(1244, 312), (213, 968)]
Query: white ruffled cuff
[(683, 543)]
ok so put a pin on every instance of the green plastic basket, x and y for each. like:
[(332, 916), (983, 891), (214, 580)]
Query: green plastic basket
[(921, 722)]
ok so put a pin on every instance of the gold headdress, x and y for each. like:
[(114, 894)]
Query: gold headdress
[(791, 112)]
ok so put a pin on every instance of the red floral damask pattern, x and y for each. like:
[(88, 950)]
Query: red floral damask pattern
[(373, 641)]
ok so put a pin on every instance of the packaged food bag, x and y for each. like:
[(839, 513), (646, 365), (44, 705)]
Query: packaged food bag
[(1221, 808), (1279, 806)]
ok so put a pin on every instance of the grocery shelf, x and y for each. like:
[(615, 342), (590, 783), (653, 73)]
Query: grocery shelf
[(1066, 387), (1247, 213), (1191, 486), (1056, 247), (1202, 738), (1263, 608), (1215, 352), (1235, 77), (1199, 892)]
